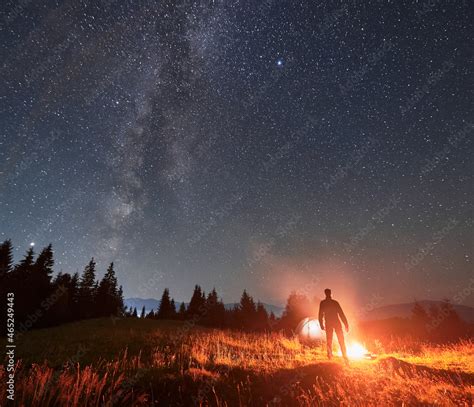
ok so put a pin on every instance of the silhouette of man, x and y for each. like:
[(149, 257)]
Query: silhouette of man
[(331, 311)]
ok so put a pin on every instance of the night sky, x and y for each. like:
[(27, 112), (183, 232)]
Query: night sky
[(267, 145)]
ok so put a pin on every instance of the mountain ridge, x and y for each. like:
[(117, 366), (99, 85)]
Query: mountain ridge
[(403, 310)]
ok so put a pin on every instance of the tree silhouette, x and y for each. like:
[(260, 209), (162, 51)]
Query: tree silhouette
[(143, 313), (6, 258), (261, 317), (41, 300), (151, 315), (197, 305), (247, 304), (61, 309), (182, 311), (297, 307), (107, 302), (73, 298), (214, 310), (44, 264), (23, 269), (87, 294), (6, 267), (245, 313), (40, 277), (120, 303), (21, 283), (167, 309)]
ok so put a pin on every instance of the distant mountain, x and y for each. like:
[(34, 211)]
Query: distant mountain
[(153, 304), (404, 310)]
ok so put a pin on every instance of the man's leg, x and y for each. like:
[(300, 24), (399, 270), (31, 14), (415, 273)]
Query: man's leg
[(329, 332), (342, 343)]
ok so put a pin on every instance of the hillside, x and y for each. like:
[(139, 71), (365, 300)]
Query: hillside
[(168, 363), (404, 310)]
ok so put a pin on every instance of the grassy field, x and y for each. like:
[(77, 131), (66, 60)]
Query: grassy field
[(129, 362)]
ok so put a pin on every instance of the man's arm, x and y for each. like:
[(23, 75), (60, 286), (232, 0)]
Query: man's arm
[(320, 316), (342, 316)]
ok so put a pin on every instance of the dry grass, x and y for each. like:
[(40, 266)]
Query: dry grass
[(142, 362)]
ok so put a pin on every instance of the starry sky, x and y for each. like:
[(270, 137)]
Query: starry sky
[(270, 145)]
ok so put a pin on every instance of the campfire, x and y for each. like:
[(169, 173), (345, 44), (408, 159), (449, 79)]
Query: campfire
[(355, 350)]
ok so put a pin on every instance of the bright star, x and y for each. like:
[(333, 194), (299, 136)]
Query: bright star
[(32, 244), (280, 62)]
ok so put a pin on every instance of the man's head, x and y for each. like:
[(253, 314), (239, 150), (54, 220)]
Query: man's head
[(327, 291)]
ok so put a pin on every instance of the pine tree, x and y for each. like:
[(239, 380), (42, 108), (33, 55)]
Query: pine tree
[(63, 298), (40, 279), (167, 309), (173, 309), (107, 301), (44, 264), (23, 269), (20, 283), (120, 302), (134, 313), (73, 290), (261, 319), (212, 298), (272, 321), (150, 315), (87, 293), (6, 258), (182, 311), (297, 308), (6, 281), (246, 312), (60, 310), (247, 304), (214, 314), (197, 304), (143, 313)]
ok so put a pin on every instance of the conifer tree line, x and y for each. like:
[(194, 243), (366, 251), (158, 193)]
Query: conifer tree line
[(209, 310), (42, 300), (247, 315)]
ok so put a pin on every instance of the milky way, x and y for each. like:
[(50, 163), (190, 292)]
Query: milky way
[(261, 145)]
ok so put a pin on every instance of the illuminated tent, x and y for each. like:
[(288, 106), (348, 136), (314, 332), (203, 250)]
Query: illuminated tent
[(309, 328)]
